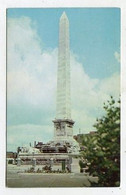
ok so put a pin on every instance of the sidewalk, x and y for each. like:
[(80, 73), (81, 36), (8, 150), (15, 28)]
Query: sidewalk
[(15, 179)]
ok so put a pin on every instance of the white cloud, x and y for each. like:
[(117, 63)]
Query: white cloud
[(88, 95), (31, 71), (117, 56), (32, 82)]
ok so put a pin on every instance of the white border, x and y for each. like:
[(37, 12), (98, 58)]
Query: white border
[(60, 3)]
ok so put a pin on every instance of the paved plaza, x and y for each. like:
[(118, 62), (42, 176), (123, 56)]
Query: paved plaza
[(17, 179)]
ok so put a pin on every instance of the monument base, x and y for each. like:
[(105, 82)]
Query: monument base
[(63, 134), (75, 168), (63, 129)]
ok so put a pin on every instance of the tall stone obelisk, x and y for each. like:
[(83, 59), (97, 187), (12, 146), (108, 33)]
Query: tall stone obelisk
[(63, 124), (63, 80)]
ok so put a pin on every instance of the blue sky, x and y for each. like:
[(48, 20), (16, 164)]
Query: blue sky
[(32, 43), (94, 34)]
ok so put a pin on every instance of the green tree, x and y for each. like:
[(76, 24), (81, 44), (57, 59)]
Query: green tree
[(102, 152)]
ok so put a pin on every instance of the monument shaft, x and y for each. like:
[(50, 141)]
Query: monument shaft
[(63, 124), (63, 110)]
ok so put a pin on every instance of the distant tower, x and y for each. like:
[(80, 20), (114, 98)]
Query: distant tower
[(63, 124)]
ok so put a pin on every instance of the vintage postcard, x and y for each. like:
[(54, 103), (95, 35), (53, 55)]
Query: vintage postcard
[(64, 98)]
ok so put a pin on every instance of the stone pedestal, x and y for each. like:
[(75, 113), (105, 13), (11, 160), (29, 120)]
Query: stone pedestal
[(75, 168), (63, 130), (34, 162), (18, 162), (51, 162)]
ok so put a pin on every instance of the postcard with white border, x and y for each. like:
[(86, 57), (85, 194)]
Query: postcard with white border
[(64, 98)]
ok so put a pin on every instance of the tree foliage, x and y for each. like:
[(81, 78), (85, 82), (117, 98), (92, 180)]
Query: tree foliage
[(102, 153)]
